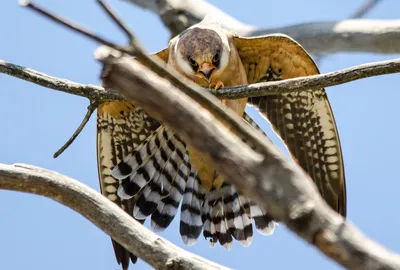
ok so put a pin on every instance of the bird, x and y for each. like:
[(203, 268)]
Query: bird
[(148, 170)]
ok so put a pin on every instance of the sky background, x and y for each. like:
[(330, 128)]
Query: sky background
[(38, 233)]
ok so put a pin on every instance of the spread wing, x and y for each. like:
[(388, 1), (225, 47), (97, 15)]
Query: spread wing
[(120, 128), (304, 120)]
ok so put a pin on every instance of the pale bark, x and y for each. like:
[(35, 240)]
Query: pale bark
[(106, 215), (271, 180), (358, 35)]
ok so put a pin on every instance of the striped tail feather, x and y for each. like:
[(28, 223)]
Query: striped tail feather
[(226, 215), (159, 169), (174, 181), (159, 187), (136, 171), (263, 221), (191, 223), (159, 172)]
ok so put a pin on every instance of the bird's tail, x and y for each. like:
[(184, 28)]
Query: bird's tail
[(159, 171)]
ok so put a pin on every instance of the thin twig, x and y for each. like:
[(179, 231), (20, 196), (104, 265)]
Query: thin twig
[(364, 9), (115, 19), (76, 28), (91, 108)]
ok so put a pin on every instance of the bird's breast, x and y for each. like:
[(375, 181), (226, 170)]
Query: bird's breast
[(233, 74)]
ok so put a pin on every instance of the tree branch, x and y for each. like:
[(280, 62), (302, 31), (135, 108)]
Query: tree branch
[(295, 201), (158, 252), (359, 13), (358, 35), (374, 36), (98, 94), (178, 15), (90, 91), (311, 82)]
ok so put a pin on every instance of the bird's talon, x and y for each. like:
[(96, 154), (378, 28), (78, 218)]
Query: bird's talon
[(216, 85)]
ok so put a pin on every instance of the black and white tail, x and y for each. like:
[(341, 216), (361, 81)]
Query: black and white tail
[(160, 173)]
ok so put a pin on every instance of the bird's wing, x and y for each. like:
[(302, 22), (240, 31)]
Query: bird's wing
[(303, 119), (120, 128)]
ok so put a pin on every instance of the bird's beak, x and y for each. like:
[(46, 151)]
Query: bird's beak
[(206, 70)]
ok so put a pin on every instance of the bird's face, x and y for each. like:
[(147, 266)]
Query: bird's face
[(202, 53)]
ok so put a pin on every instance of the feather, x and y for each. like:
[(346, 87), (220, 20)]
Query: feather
[(191, 222)]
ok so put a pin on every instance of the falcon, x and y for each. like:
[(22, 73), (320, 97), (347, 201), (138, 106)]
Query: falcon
[(147, 169)]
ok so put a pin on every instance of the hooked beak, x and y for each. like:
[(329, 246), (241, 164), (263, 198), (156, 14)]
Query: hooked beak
[(206, 70)]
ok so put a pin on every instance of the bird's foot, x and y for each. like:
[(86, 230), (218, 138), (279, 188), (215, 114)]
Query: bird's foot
[(216, 85)]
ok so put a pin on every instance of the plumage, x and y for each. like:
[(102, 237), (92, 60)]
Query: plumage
[(121, 127), (149, 170)]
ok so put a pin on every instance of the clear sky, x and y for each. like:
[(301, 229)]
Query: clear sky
[(37, 233)]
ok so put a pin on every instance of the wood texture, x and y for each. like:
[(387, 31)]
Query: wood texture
[(107, 216), (271, 180)]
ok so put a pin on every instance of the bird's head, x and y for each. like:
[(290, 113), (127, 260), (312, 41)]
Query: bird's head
[(202, 52)]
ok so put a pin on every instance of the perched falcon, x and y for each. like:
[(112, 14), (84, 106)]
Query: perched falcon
[(147, 169)]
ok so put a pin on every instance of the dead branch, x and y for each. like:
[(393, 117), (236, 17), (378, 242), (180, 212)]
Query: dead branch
[(362, 11), (295, 201), (375, 36), (99, 94), (90, 91), (178, 15), (158, 252)]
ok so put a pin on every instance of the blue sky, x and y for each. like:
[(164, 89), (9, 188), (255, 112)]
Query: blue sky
[(37, 233)]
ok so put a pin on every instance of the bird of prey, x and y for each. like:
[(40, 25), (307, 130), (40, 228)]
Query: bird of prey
[(147, 169)]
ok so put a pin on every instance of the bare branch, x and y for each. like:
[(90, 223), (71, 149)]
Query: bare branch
[(295, 201), (360, 35), (99, 94), (90, 91), (360, 13), (311, 82), (158, 252), (92, 107), (375, 36), (178, 15)]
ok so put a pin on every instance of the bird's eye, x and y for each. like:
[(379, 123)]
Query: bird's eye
[(215, 59), (193, 63)]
